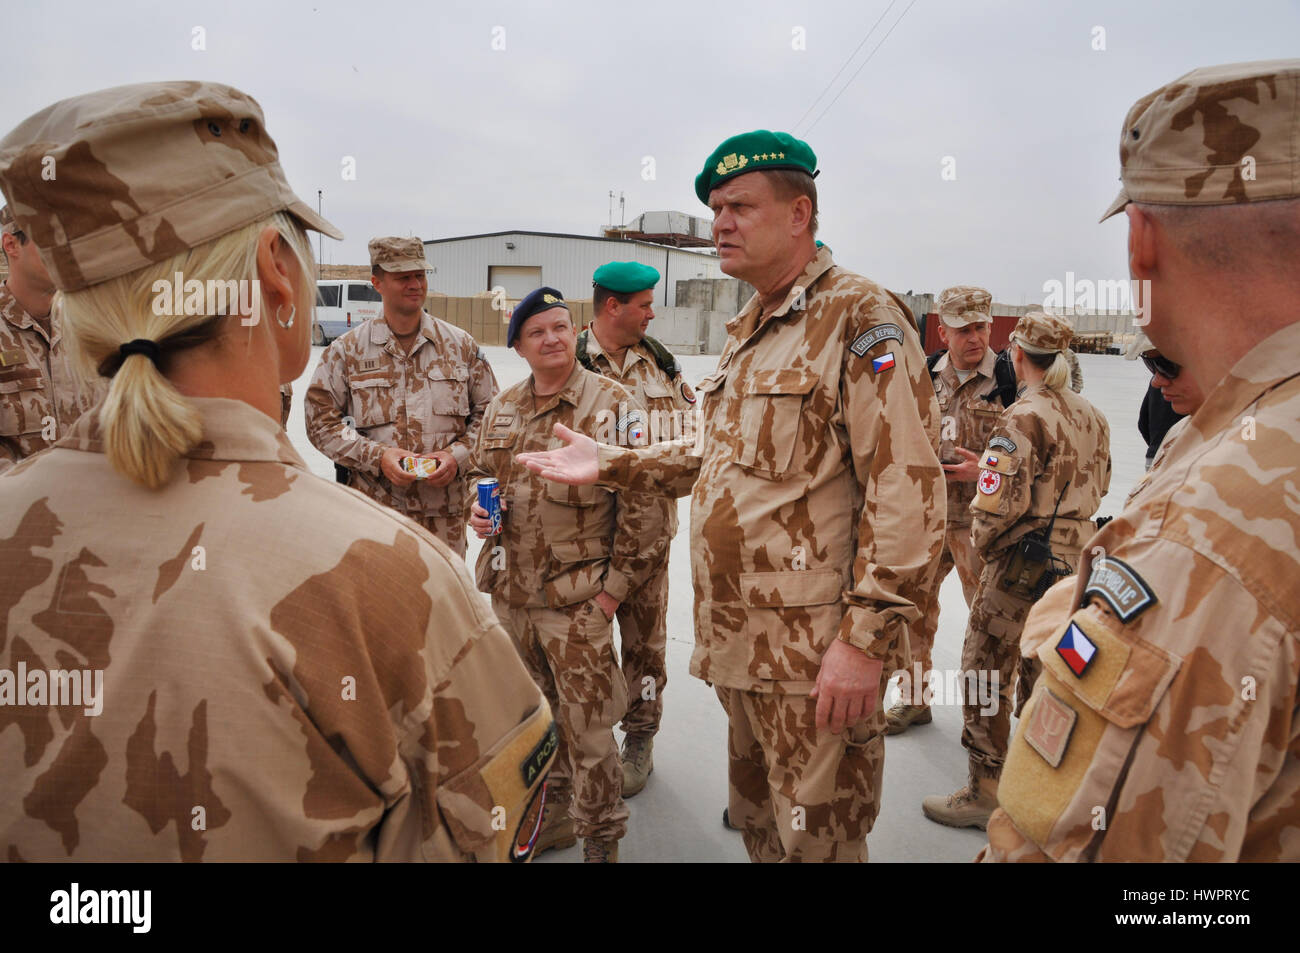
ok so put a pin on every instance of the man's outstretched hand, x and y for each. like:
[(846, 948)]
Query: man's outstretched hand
[(575, 464)]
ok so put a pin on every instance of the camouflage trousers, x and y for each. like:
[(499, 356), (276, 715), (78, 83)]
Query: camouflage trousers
[(570, 654), (958, 552), (643, 633), (997, 618), (799, 794), (449, 529)]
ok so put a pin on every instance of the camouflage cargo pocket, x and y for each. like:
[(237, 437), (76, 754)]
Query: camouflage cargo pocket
[(448, 389), (769, 420), (20, 401)]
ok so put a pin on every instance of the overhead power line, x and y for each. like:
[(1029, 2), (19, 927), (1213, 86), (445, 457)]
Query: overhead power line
[(858, 70), (845, 64)]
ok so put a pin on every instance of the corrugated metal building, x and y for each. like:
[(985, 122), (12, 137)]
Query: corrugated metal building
[(522, 261)]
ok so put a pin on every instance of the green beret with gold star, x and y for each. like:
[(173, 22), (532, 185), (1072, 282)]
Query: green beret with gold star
[(626, 277), (754, 152)]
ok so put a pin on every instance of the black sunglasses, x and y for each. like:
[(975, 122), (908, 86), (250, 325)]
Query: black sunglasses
[(1162, 365)]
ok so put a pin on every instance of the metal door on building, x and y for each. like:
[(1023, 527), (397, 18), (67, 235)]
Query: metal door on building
[(518, 280)]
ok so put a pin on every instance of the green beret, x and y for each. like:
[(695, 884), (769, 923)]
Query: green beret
[(626, 277), (754, 152)]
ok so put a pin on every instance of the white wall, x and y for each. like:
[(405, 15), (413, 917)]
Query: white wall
[(460, 266)]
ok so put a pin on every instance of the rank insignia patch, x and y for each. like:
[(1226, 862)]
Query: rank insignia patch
[(1124, 590), (869, 339), (530, 827), (1049, 728), (1076, 649)]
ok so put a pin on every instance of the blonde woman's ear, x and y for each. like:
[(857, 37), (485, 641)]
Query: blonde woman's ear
[(277, 275)]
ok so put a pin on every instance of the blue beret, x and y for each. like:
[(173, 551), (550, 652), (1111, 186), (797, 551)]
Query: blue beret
[(535, 302), (626, 277)]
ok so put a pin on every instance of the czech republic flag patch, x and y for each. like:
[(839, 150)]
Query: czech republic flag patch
[(1076, 649), (882, 363)]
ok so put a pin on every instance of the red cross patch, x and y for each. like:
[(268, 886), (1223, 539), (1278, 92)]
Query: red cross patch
[(989, 482)]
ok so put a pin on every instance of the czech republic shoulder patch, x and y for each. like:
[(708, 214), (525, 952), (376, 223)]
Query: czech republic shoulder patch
[(995, 467)]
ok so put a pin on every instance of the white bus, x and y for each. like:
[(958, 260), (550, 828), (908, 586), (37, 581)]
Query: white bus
[(342, 305)]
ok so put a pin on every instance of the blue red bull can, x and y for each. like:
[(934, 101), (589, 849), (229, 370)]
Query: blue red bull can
[(489, 497)]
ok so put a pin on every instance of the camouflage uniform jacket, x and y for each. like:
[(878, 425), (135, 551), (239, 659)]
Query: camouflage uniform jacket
[(1184, 727), (277, 684), (367, 395), (973, 413), (40, 391), (1162, 451), (1047, 437), (668, 403), (562, 545), (818, 507)]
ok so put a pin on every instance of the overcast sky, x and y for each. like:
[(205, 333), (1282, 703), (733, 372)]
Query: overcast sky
[(453, 135)]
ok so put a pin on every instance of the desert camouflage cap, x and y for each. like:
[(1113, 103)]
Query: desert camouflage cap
[(1041, 333), (398, 254), (961, 305), (115, 180), (7, 224), (1216, 136)]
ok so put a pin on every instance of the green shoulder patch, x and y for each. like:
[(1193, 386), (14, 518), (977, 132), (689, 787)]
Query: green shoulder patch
[(539, 758)]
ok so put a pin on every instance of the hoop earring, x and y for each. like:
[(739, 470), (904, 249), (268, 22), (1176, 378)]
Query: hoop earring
[(293, 310)]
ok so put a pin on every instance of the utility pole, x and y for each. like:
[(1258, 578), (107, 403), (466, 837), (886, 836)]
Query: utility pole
[(320, 238)]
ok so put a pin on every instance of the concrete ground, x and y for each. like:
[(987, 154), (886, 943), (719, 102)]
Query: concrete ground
[(678, 817)]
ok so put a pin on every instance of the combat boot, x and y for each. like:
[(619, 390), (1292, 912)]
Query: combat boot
[(599, 850), (901, 716), (638, 762), (972, 806), (557, 828)]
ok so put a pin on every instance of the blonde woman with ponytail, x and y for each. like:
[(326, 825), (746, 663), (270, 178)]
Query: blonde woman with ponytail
[(1043, 473), (147, 419), (263, 660)]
